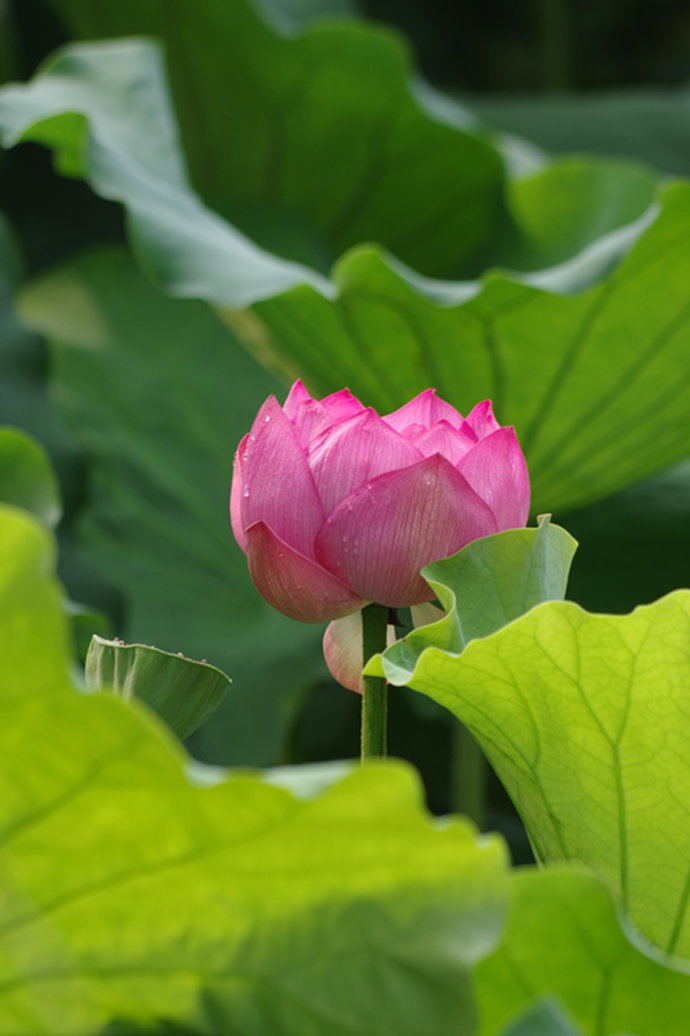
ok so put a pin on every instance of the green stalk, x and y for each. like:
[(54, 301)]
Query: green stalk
[(374, 693), (469, 776)]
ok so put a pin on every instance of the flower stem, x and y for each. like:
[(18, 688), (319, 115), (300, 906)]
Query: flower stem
[(374, 693)]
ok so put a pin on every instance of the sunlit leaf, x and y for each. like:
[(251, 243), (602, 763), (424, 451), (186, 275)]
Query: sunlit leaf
[(584, 717), (563, 940), (133, 890)]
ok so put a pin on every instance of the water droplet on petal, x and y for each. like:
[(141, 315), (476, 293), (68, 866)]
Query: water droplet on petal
[(245, 491)]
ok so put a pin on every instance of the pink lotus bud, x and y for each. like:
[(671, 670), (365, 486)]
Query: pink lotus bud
[(343, 644), (336, 507)]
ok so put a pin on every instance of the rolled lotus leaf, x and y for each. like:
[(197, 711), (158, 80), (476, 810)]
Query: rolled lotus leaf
[(181, 691)]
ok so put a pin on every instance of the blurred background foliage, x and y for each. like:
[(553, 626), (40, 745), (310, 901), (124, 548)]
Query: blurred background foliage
[(103, 385)]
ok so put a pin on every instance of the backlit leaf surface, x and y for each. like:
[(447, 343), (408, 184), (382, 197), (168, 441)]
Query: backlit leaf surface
[(135, 890), (584, 718), (564, 940)]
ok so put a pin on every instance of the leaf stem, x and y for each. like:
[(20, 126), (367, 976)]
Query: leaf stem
[(374, 693), (469, 777)]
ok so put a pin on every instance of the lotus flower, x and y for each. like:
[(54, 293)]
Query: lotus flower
[(336, 507)]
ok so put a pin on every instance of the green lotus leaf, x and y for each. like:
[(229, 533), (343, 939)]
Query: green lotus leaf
[(307, 140), (590, 381), (184, 693), (136, 892), (26, 476), (494, 580), (407, 165), (105, 110), (105, 86), (584, 718), (564, 940)]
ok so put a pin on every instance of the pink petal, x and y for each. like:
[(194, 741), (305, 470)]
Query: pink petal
[(294, 584), (236, 494), (451, 443), (297, 394), (314, 417), (481, 419), (353, 452), (412, 432), (341, 405), (342, 650), (384, 532), (277, 486), (309, 420), (496, 470), (425, 409)]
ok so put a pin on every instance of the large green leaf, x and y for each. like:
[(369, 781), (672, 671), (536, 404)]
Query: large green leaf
[(313, 141), (132, 891), (558, 211), (159, 394), (535, 352), (406, 167), (585, 719), (563, 939), (26, 477), (594, 383), (132, 154)]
